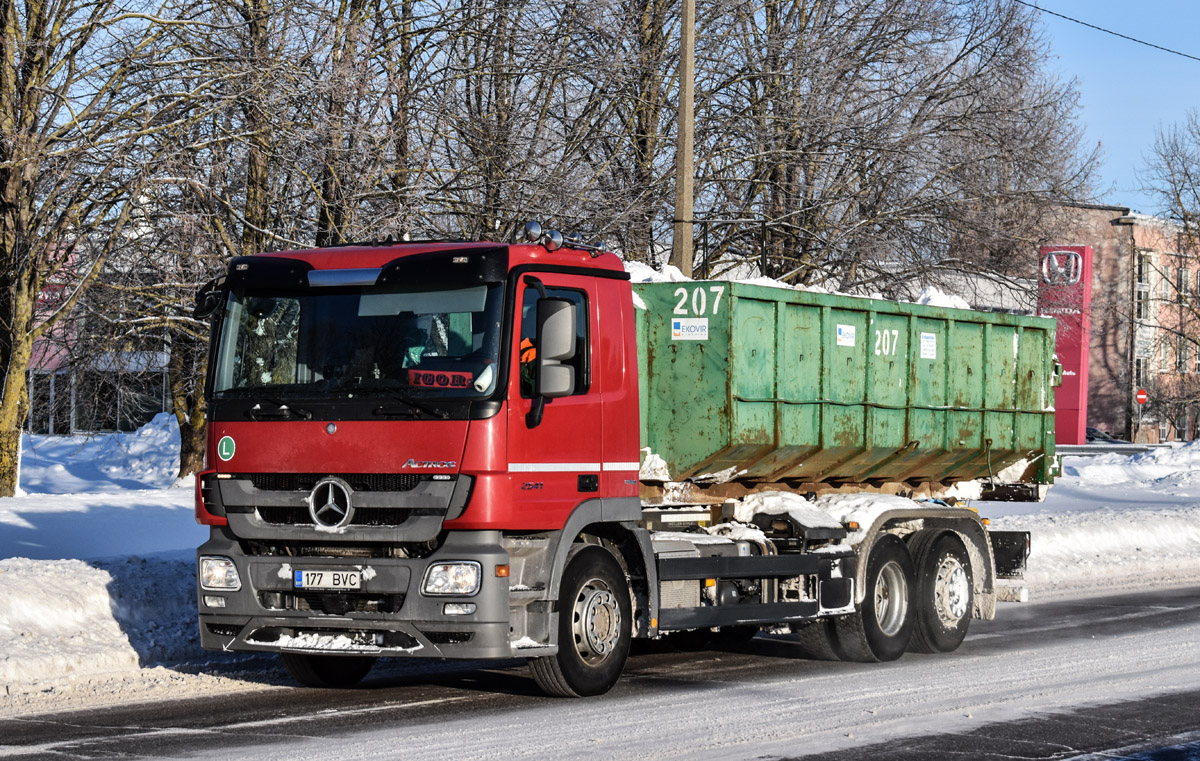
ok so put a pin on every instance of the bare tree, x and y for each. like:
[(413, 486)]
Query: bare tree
[(876, 140), (76, 115)]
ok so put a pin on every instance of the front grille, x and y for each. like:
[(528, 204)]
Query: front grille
[(449, 638), (360, 638), (332, 603), (358, 481), (224, 630), (363, 516), (258, 548)]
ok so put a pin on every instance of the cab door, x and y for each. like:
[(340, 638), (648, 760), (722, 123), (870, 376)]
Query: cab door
[(554, 464)]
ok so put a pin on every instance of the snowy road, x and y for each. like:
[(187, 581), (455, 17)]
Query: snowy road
[(761, 701)]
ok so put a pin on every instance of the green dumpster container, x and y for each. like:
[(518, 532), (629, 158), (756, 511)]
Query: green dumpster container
[(799, 387)]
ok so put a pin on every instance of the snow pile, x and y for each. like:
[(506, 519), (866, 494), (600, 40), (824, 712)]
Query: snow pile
[(1123, 521), (56, 621), (1165, 467), (70, 620), (654, 468), (738, 532), (100, 496), (783, 503), (109, 462), (863, 508), (933, 296), (640, 272)]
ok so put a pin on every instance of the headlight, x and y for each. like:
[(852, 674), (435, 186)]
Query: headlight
[(460, 578), (219, 573)]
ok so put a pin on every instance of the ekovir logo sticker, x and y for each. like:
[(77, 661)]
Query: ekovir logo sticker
[(689, 329)]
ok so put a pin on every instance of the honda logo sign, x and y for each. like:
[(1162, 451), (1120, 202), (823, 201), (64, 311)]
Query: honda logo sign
[(1061, 268)]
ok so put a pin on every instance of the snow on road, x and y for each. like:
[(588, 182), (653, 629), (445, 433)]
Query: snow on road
[(720, 715), (97, 576)]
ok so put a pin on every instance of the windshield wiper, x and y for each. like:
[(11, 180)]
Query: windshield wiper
[(412, 403), (281, 410)]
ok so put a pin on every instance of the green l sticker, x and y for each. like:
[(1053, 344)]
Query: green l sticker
[(226, 448)]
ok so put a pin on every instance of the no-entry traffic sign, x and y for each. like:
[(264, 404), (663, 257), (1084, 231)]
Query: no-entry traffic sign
[(1142, 397)]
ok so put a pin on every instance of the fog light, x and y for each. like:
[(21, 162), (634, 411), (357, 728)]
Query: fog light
[(213, 601), (461, 578), (459, 608), (217, 573)]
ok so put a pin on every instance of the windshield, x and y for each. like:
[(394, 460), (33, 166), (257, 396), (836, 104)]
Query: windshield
[(322, 341)]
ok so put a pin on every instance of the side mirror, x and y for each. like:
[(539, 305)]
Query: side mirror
[(209, 298), (556, 345), (555, 341)]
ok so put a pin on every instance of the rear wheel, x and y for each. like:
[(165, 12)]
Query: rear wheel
[(945, 592), (815, 639), (327, 670), (882, 626), (594, 628)]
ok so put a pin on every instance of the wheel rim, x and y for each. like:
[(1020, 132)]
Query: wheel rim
[(952, 590), (596, 621), (891, 599)]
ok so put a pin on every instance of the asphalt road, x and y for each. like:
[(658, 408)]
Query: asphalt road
[(403, 699)]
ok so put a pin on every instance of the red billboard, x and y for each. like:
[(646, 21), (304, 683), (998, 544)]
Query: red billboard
[(1065, 293)]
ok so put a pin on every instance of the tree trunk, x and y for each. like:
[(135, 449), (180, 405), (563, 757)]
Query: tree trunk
[(186, 370), (13, 395)]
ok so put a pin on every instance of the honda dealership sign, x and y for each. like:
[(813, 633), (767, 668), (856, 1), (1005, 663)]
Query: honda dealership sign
[(1061, 267), (1065, 293)]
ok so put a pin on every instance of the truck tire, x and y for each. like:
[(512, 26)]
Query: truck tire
[(881, 628), (327, 670), (945, 591), (595, 619), (815, 639)]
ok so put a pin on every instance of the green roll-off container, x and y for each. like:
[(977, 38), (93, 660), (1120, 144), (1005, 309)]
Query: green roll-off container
[(800, 387)]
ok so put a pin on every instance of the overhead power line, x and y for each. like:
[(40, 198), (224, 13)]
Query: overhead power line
[(1108, 31)]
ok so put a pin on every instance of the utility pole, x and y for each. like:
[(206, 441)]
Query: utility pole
[(681, 244)]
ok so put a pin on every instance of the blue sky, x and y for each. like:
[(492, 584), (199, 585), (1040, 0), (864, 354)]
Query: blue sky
[(1127, 90)]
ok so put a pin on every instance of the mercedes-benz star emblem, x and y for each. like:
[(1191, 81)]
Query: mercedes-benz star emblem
[(329, 503)]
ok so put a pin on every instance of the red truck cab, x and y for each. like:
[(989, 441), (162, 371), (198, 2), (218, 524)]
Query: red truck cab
[(382, 465)]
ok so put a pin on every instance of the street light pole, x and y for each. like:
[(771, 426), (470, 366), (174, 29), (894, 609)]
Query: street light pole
[(681, 244)]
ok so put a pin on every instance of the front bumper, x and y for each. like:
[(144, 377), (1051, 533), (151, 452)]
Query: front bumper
[(387, 616)]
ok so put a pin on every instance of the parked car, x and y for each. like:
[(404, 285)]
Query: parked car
[(1097, 436)]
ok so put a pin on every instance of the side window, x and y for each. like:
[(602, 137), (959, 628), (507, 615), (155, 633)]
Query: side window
[(529, 329)]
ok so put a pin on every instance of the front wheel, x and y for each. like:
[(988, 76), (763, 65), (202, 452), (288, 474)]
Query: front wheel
[(945, 592), (327, 670), (882, 626), (595, 619)]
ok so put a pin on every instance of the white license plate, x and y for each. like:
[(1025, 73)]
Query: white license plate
[(328, 579)]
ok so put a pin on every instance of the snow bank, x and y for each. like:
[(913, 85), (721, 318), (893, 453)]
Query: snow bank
[(108, 462), (1165, 467), (56, 621), (71, 620)]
